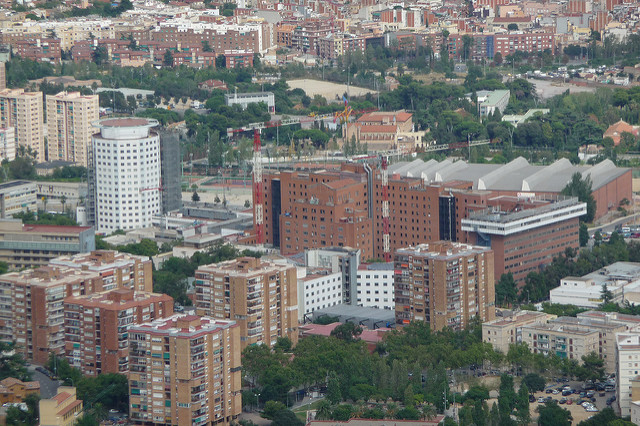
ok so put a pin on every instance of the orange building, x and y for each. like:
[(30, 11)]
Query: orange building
[(13, 390), (616, 130), (445, 284), (380, 130), (96, 327), (311, 210)]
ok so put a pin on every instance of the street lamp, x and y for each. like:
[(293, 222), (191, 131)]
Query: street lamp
[(258, 401)]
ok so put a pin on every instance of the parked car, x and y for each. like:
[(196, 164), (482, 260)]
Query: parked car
[(532, 398), (541, 399)]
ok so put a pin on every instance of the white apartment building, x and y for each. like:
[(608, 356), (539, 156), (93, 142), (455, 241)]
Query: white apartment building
[(628, 369), (69, 126), (375, 286), (126, 157), (318, 289), (8, 144), (23, 111)]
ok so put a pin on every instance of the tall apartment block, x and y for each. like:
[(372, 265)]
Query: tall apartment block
[(260, 295), (116, 269), (97, 326), (125, 189), (69, 126), (8, 143), (23, 111), (170, 171), (185, 370), (445, 284), (32, 311)]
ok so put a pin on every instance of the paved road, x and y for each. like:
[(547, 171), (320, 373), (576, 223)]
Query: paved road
[(609, 227), (48, 387)]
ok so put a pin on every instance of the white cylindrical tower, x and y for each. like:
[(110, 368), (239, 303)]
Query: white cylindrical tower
[(126, 159)]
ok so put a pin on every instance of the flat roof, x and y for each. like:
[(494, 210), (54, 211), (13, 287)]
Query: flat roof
[(14, 183), (125, 122), (357, 313)]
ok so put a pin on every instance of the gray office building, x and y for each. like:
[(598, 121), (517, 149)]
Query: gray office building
[(170, 171)]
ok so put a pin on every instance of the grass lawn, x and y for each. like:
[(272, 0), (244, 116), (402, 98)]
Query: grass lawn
[(301, 412)]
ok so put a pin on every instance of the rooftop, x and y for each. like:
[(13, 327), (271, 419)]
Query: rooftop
[(518, 175), (127, 122)]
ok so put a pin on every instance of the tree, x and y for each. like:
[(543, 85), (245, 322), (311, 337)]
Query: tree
[(581, 188), (506, 290), (497, 58), (583, 234), (167, 59), (512, 27), (334, 394), (286, 418), (99, 55), (592, 367), (506, 398), (348, 332), (323, 410), (63, 201), (522, 405), (221, 61), (195, 197), (606, 295), (534, 382), (551, 414), (271, 408)]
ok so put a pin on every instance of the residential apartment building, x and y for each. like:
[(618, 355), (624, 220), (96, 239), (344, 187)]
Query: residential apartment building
[(17, 196), (260, 295), (69, 126), (627, 371), (562, 340), (375, 284), (185, 370), (509, 43), (31, 307), (97, 327), (23, 111), (64, 409), (445, 284), (116, 269), (29, 246), (506, 329), (318, 289), (8, 143), (126, 186)]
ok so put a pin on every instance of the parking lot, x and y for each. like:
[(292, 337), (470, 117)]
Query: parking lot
[(578, 412)]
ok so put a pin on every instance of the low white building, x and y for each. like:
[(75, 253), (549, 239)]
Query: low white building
[(586, 291), (635, 412), (375, 288), (244, 99), (318, 289)]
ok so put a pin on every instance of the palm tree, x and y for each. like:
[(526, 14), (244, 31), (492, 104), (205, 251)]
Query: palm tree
[(323, 410), (63, 201), (428, 411)]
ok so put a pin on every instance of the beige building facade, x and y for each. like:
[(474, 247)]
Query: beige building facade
[(260, 295), (69, 129), (506, 329), (23, 111), (185, 370)]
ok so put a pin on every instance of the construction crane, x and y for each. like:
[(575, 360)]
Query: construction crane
[(386, 245), (457, 145), (257, 162), (342, 116)]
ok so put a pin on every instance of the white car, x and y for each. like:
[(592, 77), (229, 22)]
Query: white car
[(555, 392), (592, 409)]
